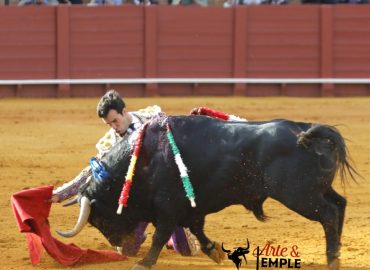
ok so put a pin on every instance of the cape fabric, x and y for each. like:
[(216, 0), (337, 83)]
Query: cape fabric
[(31, 210)]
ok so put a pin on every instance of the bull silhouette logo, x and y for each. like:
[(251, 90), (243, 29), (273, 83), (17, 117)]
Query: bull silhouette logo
[(236, 254)]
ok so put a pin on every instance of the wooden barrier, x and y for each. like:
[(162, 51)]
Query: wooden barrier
[(292, 41)]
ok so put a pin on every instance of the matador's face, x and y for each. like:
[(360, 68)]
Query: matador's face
[(118, 121)]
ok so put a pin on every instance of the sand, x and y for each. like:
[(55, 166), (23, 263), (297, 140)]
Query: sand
[(48, 141)]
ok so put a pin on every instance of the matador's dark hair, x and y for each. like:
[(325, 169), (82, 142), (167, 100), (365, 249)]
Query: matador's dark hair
[(110, 100)]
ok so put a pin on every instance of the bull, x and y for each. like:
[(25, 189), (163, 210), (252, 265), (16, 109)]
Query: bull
[(229, 163)]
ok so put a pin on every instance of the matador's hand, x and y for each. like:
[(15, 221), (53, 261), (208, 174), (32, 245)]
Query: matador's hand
[(196, 111)]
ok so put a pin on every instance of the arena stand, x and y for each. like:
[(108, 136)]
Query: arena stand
[(291, 50)]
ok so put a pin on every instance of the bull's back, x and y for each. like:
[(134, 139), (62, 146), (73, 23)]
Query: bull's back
[(209, 137), (228, 158)]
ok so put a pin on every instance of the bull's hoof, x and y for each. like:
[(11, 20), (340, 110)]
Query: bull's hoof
[(216, 253), (139, 267), (334, 264)]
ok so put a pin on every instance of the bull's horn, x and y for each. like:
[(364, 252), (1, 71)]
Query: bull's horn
[(71, 202), (82, 219)]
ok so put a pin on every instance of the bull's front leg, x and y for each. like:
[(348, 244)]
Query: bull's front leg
[(161, 235), (212, 249)]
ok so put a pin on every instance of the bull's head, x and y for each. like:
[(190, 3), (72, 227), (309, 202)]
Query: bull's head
[(98, 199)]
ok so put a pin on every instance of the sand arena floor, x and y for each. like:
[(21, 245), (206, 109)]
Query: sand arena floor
[(48, 141)]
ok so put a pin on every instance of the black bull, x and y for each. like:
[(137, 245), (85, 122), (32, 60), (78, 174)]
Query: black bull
[(229, 163)]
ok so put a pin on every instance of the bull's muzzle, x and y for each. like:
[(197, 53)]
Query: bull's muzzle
[(85, 210)]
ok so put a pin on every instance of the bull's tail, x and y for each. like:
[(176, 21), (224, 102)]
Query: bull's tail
[(330, 136)]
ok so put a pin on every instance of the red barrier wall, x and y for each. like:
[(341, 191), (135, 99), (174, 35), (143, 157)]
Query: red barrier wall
[(296, 41)]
